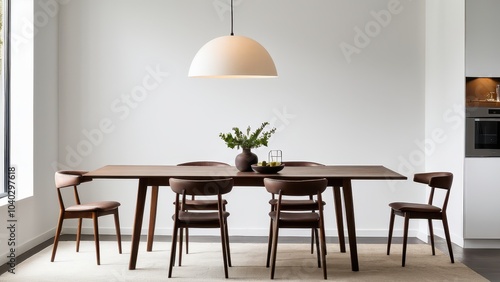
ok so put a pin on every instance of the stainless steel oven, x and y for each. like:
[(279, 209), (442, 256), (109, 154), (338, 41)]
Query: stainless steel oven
[(482, 132)]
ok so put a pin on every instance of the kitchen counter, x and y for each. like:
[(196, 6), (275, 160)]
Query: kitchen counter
[(486, 104)]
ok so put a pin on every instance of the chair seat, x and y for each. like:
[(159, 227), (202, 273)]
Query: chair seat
[(296, 205), (414, 207), (303, 217), (202, 204), (200, 217), (94, 206)]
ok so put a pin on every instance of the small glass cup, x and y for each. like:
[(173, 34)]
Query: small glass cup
[(490, 95)]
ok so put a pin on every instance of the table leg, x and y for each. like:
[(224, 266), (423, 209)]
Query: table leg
[(340, 220), (152, 217), (351, 225), (139, 214)]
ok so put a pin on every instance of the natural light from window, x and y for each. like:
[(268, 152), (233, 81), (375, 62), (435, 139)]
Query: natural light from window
[(23, 33)]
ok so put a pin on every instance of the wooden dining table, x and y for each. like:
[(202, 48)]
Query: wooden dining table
[(339, 177)]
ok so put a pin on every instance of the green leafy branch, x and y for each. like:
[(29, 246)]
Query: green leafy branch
[(249, 139)]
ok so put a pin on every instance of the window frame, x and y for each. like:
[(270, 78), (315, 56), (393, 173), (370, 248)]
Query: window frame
[(6, 14)]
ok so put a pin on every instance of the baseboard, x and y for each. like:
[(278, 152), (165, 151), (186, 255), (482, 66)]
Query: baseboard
[(250, 232), (455, 239), (481, 244), (20, 249)]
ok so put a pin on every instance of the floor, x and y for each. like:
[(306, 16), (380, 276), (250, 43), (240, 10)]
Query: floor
[(483, 261)]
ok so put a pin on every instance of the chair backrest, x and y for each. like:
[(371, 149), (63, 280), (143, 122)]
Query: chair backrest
[(204, 163), (201, 187), (301, 163), (441, 180), (286, 187), (69, 178)]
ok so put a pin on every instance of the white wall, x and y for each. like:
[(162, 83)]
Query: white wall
[(445, 102), (366, 108)]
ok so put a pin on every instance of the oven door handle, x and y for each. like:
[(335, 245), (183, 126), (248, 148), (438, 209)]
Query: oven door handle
[(486, 119)]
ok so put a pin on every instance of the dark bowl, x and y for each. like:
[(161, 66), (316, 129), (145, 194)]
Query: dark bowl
[(267, 169)]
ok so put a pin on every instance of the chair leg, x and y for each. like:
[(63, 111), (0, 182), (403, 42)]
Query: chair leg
[(269, 242), (405, 239), (172, 250), (323, 237), (391, 227), (187, 240), (118, 232), (224, 247), (314, 232), (317, 240), (323, 248), (312, 240), (274, 248), (78, 234), (228, 250), (431, 233), (448, 238), (314, 236), (181, 234), (96, 238), (317, 247), (56, 237)]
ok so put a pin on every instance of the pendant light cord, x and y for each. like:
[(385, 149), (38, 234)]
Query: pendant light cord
[(232, 33)]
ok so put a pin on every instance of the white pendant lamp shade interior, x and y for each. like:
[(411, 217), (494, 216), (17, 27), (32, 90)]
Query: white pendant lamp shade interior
[(232, 56)]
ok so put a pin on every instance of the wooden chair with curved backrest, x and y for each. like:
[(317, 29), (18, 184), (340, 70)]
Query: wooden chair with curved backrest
[(294, 205), (282, 218), (93, 210), (204, 204), (203, 218), (441, 180)]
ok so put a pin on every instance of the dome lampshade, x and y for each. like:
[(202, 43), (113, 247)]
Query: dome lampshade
[(232, 57)]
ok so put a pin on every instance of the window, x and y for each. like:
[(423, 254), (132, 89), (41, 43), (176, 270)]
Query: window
[(3, 104), (17, 96)]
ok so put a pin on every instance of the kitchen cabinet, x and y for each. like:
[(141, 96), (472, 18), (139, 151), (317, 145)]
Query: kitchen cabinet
[(482, 38), (482, 198)]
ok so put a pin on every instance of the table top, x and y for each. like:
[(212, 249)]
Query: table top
[(159, 174)]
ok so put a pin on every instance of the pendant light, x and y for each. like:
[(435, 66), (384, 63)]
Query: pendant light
[(232, 57)]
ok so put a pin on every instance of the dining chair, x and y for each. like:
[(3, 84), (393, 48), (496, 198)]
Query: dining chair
[(200, 204), (93, 210), (429, 211), (282, 218), (295, 205), (203, 218)]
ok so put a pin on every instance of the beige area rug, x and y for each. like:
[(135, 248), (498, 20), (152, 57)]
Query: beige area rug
[(204, 263)]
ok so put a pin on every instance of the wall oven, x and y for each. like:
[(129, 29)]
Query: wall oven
[(482, 132)]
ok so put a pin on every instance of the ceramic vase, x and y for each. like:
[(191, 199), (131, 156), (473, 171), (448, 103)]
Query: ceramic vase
[(245, 160)]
